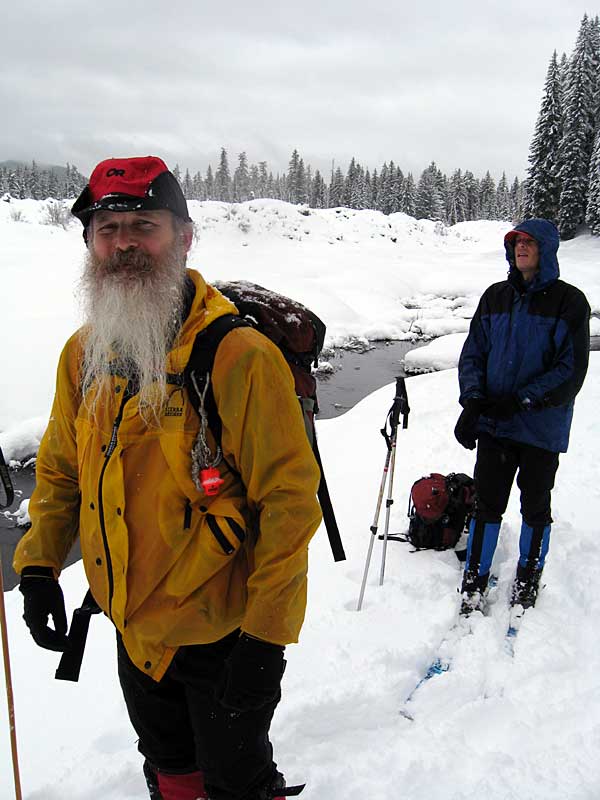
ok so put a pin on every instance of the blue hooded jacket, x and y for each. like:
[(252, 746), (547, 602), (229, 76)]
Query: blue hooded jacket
[(529, 340)]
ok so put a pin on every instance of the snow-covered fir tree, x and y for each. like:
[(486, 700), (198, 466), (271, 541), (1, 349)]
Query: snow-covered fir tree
[(430, 201), (543, 184), (592, 216), (503, 204), (409, 196), (222, 182), (241, 180), (578, 136)]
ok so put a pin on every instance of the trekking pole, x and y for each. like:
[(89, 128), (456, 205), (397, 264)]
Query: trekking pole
[(9, 691), (399, 407), (6, 483), (10, 496)]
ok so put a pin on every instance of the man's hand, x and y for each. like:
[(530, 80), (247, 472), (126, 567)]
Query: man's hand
[(253, 674), (503, 407), (43, 597), (465, 431)]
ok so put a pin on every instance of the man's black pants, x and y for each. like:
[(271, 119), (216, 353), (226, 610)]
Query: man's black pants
[(182, 727), (497, 463)]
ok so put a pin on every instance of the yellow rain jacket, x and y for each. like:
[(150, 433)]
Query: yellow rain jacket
[(169, 565)]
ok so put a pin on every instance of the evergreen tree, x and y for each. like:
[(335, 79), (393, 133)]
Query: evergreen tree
[(254, 182), (593, 207), (317, 195), (472, 193), (34, 189), (487, 197), (222, 185), (209, 184), (263, 180), (241, 180), (359, 190), (577, 142), (368, 190), (457, 204), (430, 202), (198, 187), (409, 196), (349, 183), (543, 184), (336, 189), (396, 185), (383, 190), (292, 178), (187, 185), (516, 201), (503, 204), (15, 186)]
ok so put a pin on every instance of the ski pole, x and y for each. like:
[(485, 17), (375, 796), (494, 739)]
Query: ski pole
[(374, 528), (9, 691), (6, 483), (399, 406), (388, 508)]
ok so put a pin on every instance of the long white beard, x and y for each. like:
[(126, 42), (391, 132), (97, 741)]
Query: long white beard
[(133, 307)]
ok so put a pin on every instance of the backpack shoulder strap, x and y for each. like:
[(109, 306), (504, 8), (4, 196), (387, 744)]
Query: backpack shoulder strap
[(198, 371), (333, 532)]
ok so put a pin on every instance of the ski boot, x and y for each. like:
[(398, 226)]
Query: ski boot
[(473, 592), (525, 587)]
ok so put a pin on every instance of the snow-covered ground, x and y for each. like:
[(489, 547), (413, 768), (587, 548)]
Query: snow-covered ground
[(494, 726)]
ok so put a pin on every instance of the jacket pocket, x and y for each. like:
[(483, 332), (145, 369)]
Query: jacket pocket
[(233, 528)]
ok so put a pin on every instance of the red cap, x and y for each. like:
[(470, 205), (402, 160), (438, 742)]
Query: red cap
[(131, 184), (512, 235)]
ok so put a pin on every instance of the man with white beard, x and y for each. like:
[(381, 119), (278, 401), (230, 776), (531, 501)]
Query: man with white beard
[(205, 590)]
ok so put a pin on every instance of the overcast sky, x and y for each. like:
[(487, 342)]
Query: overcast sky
[(456, 82)]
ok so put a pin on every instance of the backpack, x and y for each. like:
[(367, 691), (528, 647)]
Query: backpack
[(298, 333), (439, 509)]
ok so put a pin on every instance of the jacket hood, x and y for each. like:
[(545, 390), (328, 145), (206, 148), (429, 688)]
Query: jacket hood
[(546, 235)]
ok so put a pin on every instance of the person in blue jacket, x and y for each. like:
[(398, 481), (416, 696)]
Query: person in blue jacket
[(522, 364)]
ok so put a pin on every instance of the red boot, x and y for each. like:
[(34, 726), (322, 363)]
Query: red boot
[(189, 786)]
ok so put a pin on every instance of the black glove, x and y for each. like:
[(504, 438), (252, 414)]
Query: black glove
[(503, 407), (465, 431), (253, 674), (43, 598)]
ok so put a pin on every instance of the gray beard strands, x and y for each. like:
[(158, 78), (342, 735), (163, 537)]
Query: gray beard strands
[(133, 310)]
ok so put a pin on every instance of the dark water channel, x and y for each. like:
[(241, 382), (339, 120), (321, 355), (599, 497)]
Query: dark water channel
[(355, 375)]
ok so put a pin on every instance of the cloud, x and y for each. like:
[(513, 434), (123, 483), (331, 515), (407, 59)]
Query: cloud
[(458, 83)]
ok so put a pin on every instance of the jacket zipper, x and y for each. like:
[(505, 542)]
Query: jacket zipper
[(109, 451)]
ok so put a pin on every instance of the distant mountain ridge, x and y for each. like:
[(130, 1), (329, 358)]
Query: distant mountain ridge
[(60, 171)]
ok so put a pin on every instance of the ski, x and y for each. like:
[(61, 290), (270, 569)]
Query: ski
[(514, 624), (441, 663)]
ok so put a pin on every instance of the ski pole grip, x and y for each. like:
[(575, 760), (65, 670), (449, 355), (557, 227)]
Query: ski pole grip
[(401, 402)]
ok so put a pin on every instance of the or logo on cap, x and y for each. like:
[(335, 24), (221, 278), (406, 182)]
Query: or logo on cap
[(112, 172)]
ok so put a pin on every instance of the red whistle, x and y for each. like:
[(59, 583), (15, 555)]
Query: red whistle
[(211, 481)]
